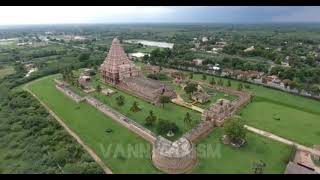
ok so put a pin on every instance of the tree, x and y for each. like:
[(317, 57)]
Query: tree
[(204, 77), (187, 119), (164, 99), (258, 167), (135, 107), (247, 86), (151, 119), (191, 75), (165, 126), (220, 82), (190, 88), (98, 88), (120, 100), (83, 57), (235, 130), (228, 83), (212, 81), (240, 86)]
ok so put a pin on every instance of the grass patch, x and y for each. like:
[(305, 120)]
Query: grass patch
[(6, 70), (91, 126), (226, 159)]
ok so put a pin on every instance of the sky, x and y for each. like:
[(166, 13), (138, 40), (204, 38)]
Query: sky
[(15, 15)]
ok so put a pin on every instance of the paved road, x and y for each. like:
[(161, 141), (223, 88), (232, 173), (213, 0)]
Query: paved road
[(106, 169)]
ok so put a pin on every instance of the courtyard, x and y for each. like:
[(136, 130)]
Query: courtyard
[(91, 126)]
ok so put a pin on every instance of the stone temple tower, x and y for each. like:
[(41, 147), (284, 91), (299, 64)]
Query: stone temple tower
[(117, 65)]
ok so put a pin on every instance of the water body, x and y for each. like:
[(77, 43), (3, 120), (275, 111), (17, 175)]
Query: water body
[(150, 43)]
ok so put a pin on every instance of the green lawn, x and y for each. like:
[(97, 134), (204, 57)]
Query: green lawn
[(296, 124), (91, 126), (300, 116), (170, 112), (5, 71), (222, 158)]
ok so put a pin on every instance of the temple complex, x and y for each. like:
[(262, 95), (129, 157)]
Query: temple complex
[(218, 112), (118, 70)]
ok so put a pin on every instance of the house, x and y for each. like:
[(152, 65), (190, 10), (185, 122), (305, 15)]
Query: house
[(227, 72), (204, 39), (200, 97), (213, 67), (274, 79), (197, 62), (249, 49)]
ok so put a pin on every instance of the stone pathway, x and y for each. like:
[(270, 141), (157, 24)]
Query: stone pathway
[(106, 169), (181, 102), (282, 140)]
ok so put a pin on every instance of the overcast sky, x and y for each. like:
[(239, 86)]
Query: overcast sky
[(130, 14)]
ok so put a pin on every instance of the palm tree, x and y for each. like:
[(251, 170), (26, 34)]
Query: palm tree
[(187, 119)]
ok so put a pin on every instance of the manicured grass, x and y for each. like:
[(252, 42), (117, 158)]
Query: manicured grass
[(222, 158), (91, 126), (299, 116), (298, 125), (5, 71), (170, 111)]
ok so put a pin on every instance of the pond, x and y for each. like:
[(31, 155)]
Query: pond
[(150, 43)]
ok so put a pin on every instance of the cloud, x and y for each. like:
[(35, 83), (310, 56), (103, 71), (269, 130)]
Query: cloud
[(78, 14), (135, 14)]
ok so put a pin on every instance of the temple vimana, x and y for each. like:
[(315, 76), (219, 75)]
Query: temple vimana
[(118, 70)]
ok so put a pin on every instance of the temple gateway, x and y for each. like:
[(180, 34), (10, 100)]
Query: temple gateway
[(118, 70)]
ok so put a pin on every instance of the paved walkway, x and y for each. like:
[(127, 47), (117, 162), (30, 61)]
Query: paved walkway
[(106, 169), (282, 140), (181, 102)]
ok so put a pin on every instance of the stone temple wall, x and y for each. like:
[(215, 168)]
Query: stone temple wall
[(174, 157), (200, 131)]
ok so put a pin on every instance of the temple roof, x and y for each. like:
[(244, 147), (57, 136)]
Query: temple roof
[(116, 57)]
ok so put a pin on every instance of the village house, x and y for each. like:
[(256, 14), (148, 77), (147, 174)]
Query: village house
[(205, 39), (242, 74), (249, 49), (274, 79), (197, 62)]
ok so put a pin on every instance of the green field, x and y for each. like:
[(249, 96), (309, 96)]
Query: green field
[(233, 160), (91, 126), (170, 111), (5, 71), (299, 116), (286, 121)]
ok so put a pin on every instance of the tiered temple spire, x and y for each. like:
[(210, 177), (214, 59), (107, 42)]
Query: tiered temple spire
[(117, 65)]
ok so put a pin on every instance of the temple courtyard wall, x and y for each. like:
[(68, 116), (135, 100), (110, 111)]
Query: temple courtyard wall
[(179, 156)]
